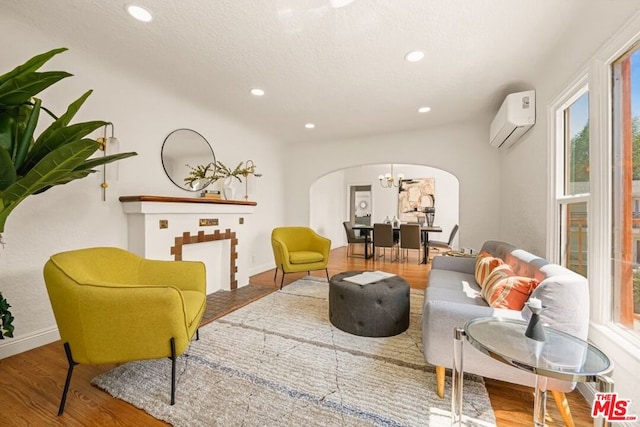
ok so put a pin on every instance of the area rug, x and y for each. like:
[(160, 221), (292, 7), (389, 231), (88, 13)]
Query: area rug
[(279, 362)]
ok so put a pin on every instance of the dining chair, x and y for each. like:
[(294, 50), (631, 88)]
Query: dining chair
[(439, 245), (410, 239), (352, 239), (383, 238)]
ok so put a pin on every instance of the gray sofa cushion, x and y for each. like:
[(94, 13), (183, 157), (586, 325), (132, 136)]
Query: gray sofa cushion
[(451, 279)]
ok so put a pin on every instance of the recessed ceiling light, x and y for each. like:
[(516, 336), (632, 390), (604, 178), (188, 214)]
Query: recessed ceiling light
[(257, 92), (309, 125), (414, 56), (140, 13), (424, 109)]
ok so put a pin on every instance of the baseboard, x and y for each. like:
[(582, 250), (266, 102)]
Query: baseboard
[(257, 269), (13, 346)]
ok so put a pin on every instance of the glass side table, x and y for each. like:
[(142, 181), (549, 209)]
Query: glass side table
[(560, 356)]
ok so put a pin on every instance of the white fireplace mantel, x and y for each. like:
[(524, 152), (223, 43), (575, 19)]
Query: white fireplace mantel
[(183, 228)]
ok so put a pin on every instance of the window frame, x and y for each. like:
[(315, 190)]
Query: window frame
[(557, 131), (597, 78)]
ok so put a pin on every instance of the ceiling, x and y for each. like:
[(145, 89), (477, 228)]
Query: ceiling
[(340, 68)]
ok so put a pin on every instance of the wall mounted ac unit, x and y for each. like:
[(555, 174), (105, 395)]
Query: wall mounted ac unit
[(516, 115)]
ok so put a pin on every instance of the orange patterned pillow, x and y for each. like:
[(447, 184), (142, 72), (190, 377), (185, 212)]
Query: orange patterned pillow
[(485, 263), (503, 289)]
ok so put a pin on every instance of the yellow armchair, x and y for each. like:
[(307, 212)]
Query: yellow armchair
[(297, 249), (112, 306)]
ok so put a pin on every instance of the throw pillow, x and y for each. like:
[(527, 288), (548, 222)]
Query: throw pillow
[(503, 289), (485, 263)]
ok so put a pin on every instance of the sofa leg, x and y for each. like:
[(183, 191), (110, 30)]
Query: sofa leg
[(440, 381), (563, 407)]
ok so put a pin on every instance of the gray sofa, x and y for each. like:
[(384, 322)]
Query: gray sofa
[(452, 298)]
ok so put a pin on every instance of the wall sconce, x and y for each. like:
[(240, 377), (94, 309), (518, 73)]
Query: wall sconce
[(387, 180), (108, 145), (250, 169)]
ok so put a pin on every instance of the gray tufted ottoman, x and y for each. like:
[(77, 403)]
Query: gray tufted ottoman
[(379, 309)]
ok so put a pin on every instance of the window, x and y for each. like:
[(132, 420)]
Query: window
[(572, 122), (626, 189)]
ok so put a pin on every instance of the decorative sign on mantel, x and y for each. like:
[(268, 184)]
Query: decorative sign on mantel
[(227, 260)]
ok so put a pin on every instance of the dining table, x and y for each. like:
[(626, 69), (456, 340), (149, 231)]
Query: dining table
[(424, 229)]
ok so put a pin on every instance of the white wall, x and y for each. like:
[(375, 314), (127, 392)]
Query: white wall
[(462, 150), (73, 216), (524, 173), (327, 199), (384, 201)]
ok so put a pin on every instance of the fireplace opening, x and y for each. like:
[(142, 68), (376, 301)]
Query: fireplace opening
[(218, 252)]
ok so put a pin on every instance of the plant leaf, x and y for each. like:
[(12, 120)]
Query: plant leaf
[(48, 171), (7, 172), (27, 137), (31, 65), (20, 89), (55, 139), (86, 168), (98, 161), (67, 178), (65, 119), (7, 123), (73, 108)]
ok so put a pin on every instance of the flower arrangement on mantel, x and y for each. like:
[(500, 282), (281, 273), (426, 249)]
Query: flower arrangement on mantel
[(215, 171)]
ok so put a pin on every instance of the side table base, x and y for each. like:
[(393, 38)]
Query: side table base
[(458, 377), (540, 401)]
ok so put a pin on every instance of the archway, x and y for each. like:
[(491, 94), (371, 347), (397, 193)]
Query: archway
[(330, 198)]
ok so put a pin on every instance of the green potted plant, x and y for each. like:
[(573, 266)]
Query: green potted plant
[(32, 164), (213, 172)]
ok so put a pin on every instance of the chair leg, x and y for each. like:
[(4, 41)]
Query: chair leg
[(172, 343), (275, 276), (326, 271), (440, 381), (282, 281), (198, 334), (563, 407), (63, 400)]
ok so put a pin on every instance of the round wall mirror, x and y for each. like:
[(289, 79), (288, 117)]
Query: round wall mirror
[(183, 149)]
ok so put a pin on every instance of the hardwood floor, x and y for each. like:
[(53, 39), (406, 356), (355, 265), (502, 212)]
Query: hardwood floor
[(31, 382)]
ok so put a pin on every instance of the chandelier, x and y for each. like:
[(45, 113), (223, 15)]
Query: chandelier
[(388, 181)]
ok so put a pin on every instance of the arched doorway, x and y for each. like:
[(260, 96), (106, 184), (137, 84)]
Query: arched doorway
[(330, 197)]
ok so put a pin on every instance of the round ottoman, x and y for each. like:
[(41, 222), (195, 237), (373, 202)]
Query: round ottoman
[(379, 309)]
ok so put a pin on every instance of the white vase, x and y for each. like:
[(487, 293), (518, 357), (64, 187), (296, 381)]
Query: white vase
[(228, 188)]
